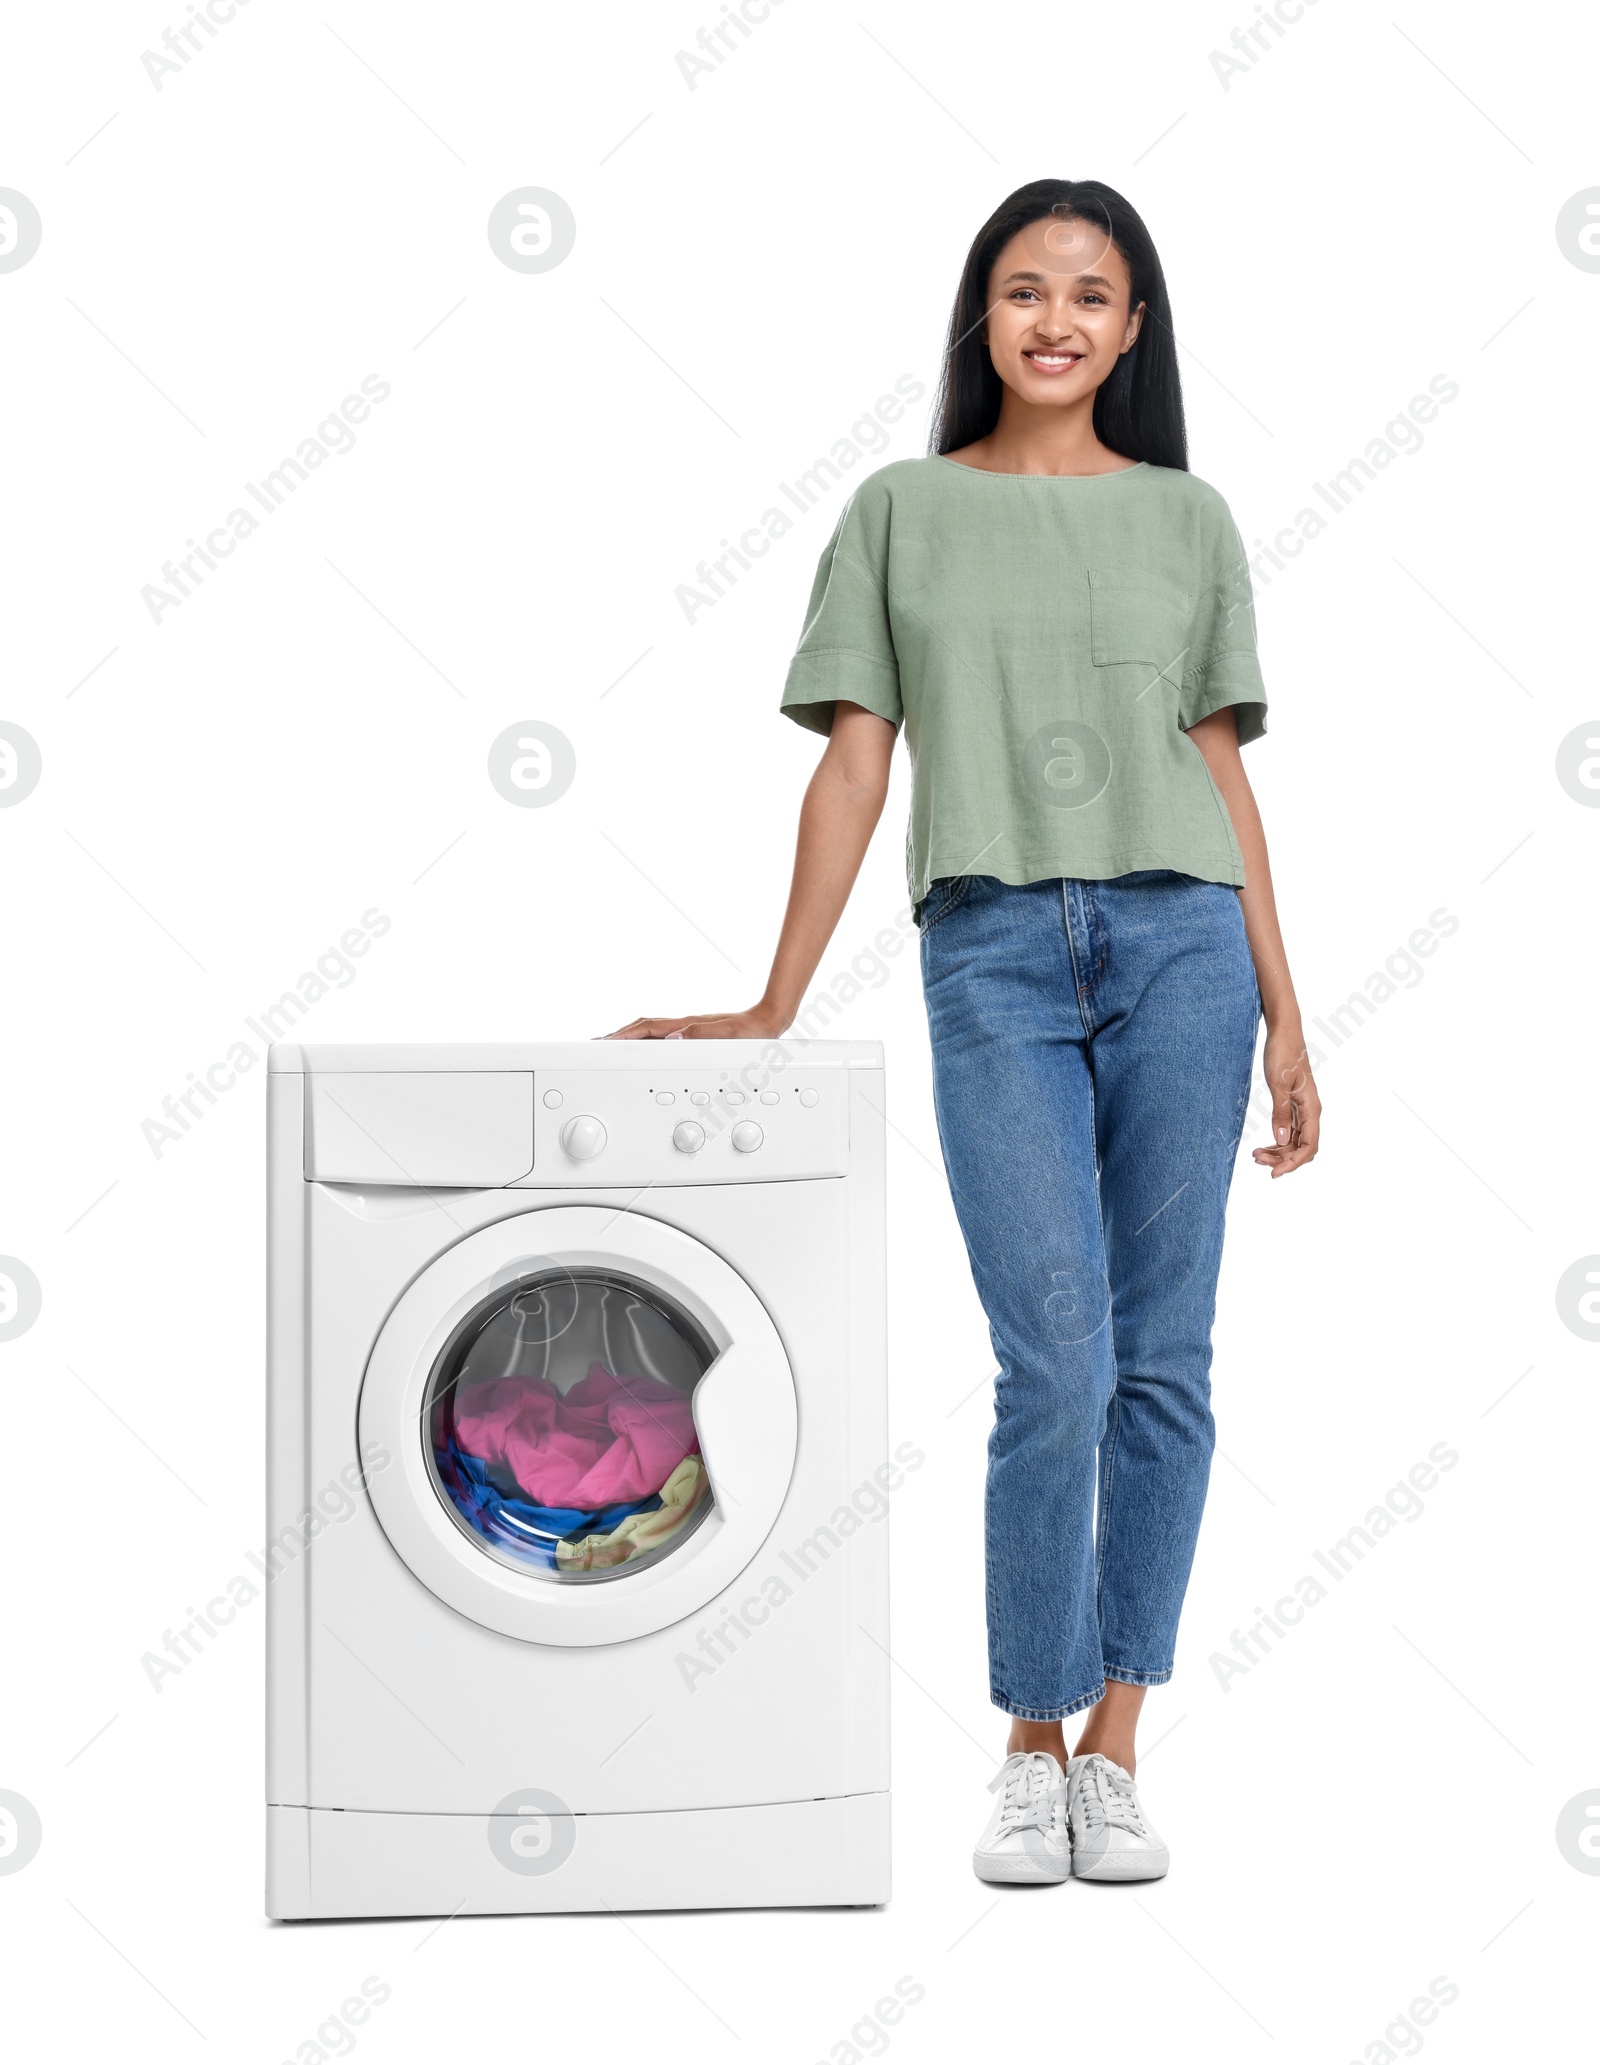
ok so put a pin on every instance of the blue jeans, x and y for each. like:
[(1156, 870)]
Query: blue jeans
[(1092, 1050)]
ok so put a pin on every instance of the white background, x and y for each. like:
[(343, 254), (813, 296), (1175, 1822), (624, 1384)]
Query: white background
[(1371, 203)]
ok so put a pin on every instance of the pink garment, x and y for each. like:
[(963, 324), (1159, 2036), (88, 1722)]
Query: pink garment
[(607, 1440)]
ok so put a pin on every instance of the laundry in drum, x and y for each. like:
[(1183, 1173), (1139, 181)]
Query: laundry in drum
[(637, 1533), (605, 1473)]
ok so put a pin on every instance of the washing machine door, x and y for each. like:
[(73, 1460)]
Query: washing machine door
[(579, 1425)]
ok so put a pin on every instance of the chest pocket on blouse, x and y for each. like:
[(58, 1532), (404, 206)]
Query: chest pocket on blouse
[(1139, 617)]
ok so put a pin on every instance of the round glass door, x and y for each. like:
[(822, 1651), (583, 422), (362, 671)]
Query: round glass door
[(558, 1426)]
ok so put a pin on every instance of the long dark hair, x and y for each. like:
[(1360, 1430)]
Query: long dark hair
[(1138, 409)]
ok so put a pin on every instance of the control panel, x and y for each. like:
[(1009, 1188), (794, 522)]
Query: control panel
[(676, 1124)]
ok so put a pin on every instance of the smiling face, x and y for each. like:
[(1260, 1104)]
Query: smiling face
[(1058, 315)]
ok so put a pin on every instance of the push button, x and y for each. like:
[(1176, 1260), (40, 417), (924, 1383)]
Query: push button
[(552, 1100), (663, 1096), (770, 1097), (808, 1098)]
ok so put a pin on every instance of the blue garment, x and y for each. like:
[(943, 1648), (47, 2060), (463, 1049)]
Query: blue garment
[(512, 1522), (1092, 1050)]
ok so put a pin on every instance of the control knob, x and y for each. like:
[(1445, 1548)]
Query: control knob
[(583, 1137)]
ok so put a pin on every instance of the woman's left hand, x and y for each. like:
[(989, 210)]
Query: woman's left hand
[(1296, 1107)]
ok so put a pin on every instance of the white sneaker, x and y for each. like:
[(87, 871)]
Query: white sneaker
[(1026, 1842), (1110, 1837)]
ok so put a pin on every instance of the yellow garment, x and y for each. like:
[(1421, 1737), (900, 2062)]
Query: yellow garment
[(640, 1532)]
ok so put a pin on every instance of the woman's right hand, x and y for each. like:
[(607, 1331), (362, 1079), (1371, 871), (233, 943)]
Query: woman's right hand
[(759, 1024), (844, 800)]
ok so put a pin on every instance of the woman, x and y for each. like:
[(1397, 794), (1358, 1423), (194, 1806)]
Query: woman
[(1060, 614)]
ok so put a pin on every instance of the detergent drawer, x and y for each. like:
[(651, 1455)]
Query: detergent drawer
[(420, 1131)]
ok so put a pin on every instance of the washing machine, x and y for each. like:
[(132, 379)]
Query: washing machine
[(579, 1478)]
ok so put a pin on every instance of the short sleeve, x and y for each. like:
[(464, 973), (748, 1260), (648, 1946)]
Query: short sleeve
[(846, 651), (1223, 669)]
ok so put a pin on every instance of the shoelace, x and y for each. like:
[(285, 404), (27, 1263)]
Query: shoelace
[(1106, 1796), (1031, 1788)]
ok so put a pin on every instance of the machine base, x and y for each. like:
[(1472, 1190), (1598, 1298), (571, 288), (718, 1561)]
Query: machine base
[(334, 1863)]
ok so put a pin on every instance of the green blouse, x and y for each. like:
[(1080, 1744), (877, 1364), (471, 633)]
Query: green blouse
[(1046, 641)]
